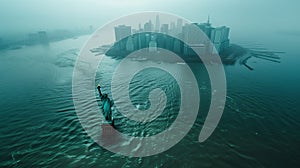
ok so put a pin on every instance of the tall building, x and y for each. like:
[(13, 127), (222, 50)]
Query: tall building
[(191, 34), (172, 29), (179, 26), (157, 23), (43, 37), (220, 38), (208, 21), (206, 27), (33, 38), (192, 39), (164, 28), (122, 31), (177, 46), (148, 26)]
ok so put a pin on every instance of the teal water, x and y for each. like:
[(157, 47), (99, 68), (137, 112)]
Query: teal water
[(39, 127)]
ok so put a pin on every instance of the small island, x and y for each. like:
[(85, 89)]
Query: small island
[(161, 36)]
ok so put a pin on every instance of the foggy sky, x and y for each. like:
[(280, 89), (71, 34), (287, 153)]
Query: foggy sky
[(17, 16)]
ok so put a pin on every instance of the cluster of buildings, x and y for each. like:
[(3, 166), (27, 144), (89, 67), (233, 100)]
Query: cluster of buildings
[(154, 35), (39, 37), (16, 41)]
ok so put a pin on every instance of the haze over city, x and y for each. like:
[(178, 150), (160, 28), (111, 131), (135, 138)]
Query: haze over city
[(117, 83), (35, 15)]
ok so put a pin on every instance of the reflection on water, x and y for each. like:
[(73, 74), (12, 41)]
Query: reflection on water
[(39, 126)]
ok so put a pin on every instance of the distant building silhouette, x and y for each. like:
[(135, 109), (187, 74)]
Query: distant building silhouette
[(219, 37), (160, 36), (164, 28), (157, 23), (179, 26), (43, 37), (172, 28), (40, 37), (148, 26), (122, 31), (192, 39), (206, 27)]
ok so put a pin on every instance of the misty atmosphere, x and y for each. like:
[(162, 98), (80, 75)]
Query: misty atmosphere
[(19, 18), (42, 41)]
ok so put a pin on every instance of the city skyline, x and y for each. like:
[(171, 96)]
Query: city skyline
[(219, 36)]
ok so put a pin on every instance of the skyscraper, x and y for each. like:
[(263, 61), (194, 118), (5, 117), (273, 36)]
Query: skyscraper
[(193, 39), (172, 30), (179, 26), (43, 37), (164, 28), (122, 31), (220, 37), (148, 26), (206, 27), (157, 23)]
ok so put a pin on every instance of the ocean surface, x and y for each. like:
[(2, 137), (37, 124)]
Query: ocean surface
[(259, 127)]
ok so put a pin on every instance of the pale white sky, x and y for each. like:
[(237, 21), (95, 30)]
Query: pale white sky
[(246, 15)]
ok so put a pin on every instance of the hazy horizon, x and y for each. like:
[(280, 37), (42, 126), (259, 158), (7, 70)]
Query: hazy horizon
[(253, 16), (162, 97)]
